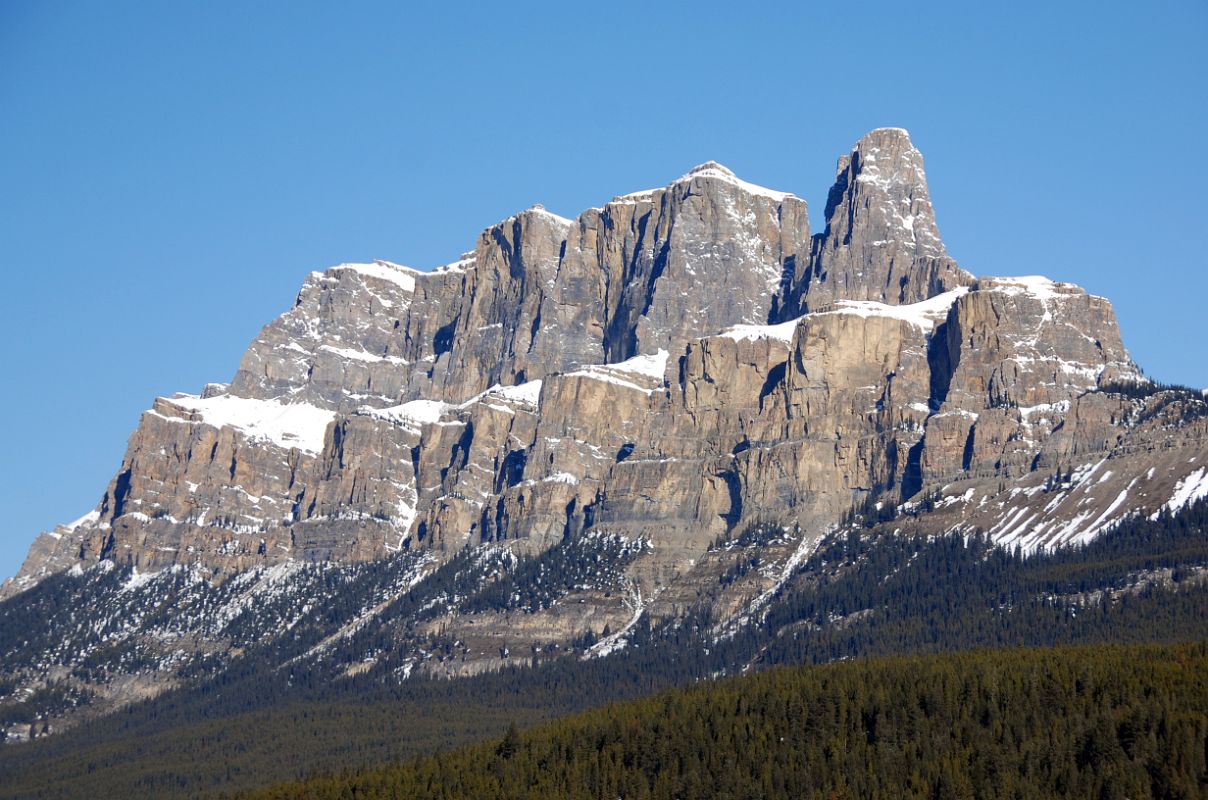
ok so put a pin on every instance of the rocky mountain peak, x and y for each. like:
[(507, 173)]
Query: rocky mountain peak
[(888, 144), (709, 178), (884, 175), (370, 416), (710, 169), (623, 403), (881, 240), (539, 213)]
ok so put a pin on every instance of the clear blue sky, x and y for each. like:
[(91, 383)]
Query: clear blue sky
[(169, 172)]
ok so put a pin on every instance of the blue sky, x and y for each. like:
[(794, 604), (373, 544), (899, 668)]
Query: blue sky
[(169, 172)]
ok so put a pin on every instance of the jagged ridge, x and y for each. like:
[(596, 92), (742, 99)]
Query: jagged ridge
[(668, 369)]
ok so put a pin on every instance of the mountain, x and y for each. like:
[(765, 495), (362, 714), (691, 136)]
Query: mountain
[(558, 440)]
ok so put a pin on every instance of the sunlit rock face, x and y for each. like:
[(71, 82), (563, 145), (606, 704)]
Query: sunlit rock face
[(881, 241), (670, 367), (566, 430)]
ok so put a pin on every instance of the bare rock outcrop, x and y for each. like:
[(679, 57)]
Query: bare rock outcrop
[(881, 241), (674, 366)]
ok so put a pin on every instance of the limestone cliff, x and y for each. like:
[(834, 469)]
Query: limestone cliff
[(565, 432), (676, 365)]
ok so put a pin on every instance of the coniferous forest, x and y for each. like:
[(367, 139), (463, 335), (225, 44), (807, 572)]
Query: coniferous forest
[(1104, 722)]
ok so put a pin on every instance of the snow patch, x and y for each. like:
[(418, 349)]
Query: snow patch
[(528, 393), (616, 641), (651, 367), (782, 332), (424, 412), (1060, 407), (711, 169), (466, 260), (541, 211), (925, 314), (87, 519), (752, 611), (362, 355), (288, 425), (137, 579), (403, 277), (1187, 491), (1037, 286)]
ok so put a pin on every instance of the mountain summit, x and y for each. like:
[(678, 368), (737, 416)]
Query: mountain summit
[(682, 366)]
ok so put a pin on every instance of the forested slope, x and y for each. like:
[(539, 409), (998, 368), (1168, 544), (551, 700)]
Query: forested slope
[(1102, 722), (862, 593)]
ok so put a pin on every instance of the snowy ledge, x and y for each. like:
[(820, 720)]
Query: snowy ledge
[(650, 367), (430, 412), (781, 332), (1037, 286), (288, 425), (714, 170), (539, 210), (925, 314), (403, 277)]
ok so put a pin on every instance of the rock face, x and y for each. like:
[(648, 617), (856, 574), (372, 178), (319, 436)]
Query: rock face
[(1013, 356), (708, 251), (677, 365), (538, 295), (566, 431), (881, 241)]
